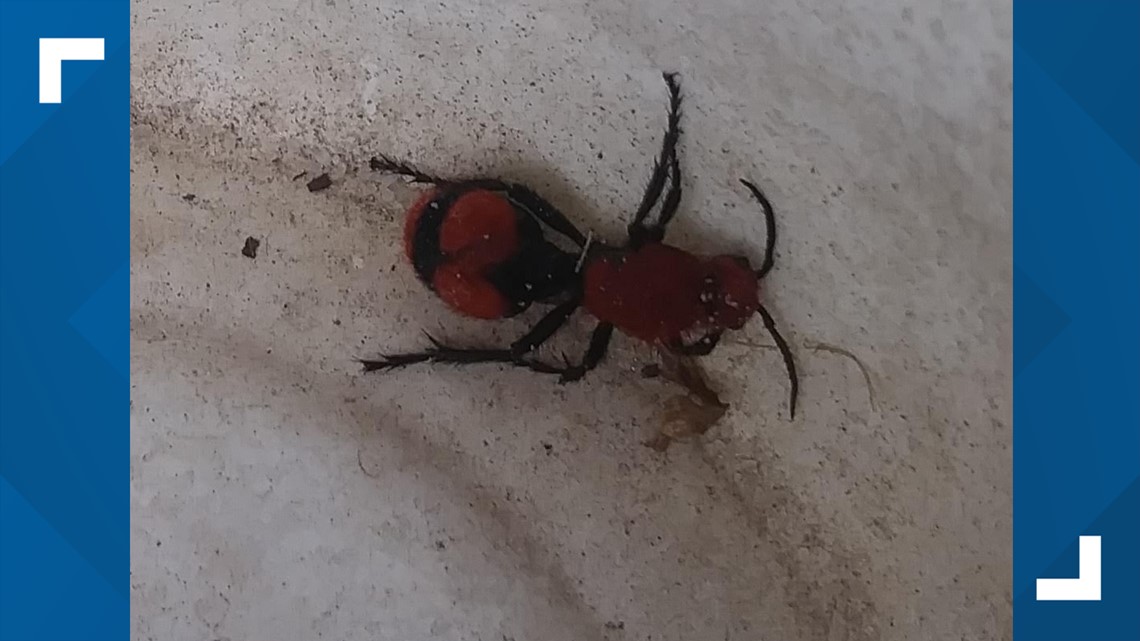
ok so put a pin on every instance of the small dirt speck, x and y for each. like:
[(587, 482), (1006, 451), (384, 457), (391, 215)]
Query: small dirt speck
[(320, 182), (300, 175), (250, 248), (189, 197)]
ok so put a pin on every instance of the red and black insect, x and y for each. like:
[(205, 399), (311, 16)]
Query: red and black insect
[(479, 244)]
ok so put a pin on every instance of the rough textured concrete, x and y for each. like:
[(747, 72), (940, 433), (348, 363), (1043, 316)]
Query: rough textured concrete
[(277, 493)]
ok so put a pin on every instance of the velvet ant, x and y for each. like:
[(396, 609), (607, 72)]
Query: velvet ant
[(479, 244)]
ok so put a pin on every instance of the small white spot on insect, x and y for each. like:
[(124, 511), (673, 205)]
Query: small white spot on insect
[(433, 205), (706, 297), (528, 286), (486, 236), (692, 335)]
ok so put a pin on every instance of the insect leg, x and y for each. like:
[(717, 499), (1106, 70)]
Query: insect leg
[(656, 231), (521, 195), (546, 213), (515, 354), (457, 356), (599, 343), (662, 164), (389, 165), (545, 328)]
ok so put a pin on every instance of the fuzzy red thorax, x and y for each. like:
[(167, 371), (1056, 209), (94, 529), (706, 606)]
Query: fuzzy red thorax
[(665, 295)]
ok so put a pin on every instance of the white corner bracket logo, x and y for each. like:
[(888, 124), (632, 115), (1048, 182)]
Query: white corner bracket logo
[(53, 51), (1086, 587)]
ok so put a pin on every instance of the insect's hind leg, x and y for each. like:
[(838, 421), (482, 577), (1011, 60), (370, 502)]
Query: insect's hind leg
[(527, 199), (514, 355), (456, 356), (520, 195), (389, 165)]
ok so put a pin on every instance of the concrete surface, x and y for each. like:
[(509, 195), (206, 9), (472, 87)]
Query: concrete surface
[(277, 493)]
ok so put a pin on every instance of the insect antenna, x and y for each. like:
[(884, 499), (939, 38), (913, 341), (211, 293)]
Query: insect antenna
[(770, 225), (789, 362)]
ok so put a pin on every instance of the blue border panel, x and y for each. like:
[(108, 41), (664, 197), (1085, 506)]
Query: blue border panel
[(1076, 312), (64, 300)]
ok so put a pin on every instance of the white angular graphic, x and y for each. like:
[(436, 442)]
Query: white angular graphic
[(53, 51), (1086, 587)]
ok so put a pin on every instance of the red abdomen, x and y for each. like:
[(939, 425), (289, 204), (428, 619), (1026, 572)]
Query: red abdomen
[(482, 254), (455, 242)]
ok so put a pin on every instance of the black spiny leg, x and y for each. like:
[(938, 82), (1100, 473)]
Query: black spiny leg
[(637, 229), (656, 231), (392, 166), (520, 195), (525, 197), (599, 343), (514, 355)]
